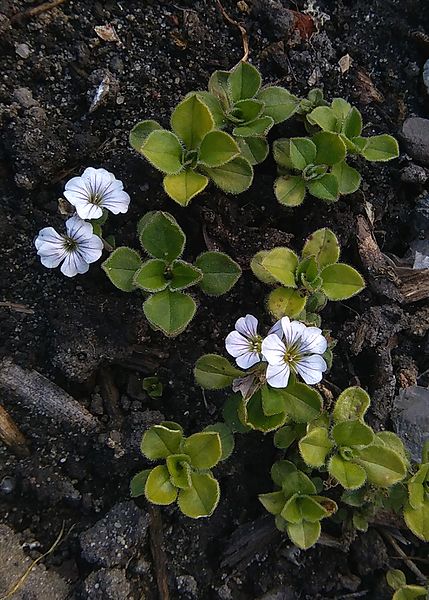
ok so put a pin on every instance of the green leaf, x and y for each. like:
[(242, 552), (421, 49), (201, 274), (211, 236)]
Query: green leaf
[(283, 302), (253, 415), (158, 488), (340, 281), (341, 108), (380, 148), (220, 273), (234, 177), (279, 103), (410, 592), (305, 509), (417, 520), (323, 245), (273, 401), (302, 403), (325, 188), (191, 121), (396, 579), (258, 127), (159, 441), (214, 372), (302, 152), (138, 483), (304, 535), (287, 435), (231, 416), (297, 482), (281, 470), (171, 312), (183, 275), (180, 470), (256, 264), (202, 497), (214, 106), (226, 438), (247, 110), (244, 81), (353, 124), (254, 149), (121, 267), (348, 474), (273, 502), (324, 117), (349, 179), (218, 86), (184, 186), (383, 466), (217, 148), (315, 447), (290, 190), (140, 132), (352, 433), (352, 403), (151, 276), (204, 449), (164, 151), (161, 236), (330, 148), (281, 264), (281, 153), (360, 522), (392, 441)]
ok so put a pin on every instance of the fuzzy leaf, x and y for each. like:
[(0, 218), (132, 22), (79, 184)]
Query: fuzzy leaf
[(324, 117), (213, 372), (273, 502), (184, 186), (121, 267), (254, 149), (302, 152), (273, 401), (164, 151), (283, 302), (180, 470), (202, 497), (280, 472), (340, 281), (183, 275), (323, 245), (214, 106), (171, 312), (349, 179), (279, 103), (218, 86), (281, 264), (304, 535), (252, 414), (139, 133), (330, 148), (290, 190), (244, 81), (258, 127), (352, 403), (161, 236), (383, 466), (204, 449), (281, 153), (231, 416), (352, 124), (158, 488), (256, 264), (341, 108), (325, 188), (297, 482), (226, 438), (138, 483), (191, 121), (220, 273), (396, 579), (380, 148), (217, 148), (315, 447), (418, 520), (159, 441), (302, 403), (151, 276), (352, 433), (247, 110), (287, 435), (234, 177), (348, 474)]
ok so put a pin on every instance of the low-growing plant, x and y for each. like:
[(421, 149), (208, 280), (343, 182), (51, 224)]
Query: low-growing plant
[(416, 509), (153, 386), (403, 591), (307, 282), (164, 275)]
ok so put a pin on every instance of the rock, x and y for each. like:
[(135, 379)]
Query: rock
[(278, 19), (415, 135), (116, 537), (106, 584), (411, 418), (23, 50), (41, 584), (426, 76), (414, 174), (420, 216), (369, 553), (25, 97)]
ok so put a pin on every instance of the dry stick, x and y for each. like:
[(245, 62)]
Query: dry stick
[(389, 538), (244, 35), (37, 10), (158, 553), (18, 307), (11, 435)]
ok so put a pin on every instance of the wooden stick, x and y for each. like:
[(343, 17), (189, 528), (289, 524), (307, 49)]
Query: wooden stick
[(158, 553), (37, 10), (11, 435), (244, 35)]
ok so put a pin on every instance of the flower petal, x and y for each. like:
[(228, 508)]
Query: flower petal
[(236, 344), (74, 264), (292, 330), (311, 368), (50, 247), (273, 349), (78, 229), (247, 326), (247, 360), (91, 249), (48, 235), (278, 375), (312, 341), (116, 201), (277, 329)]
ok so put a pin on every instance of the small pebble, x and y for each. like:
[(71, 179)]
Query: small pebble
[(7, 485), (23, 50), (426, 76)]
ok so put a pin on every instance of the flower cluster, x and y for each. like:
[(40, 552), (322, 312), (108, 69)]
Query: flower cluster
[(290, 347)]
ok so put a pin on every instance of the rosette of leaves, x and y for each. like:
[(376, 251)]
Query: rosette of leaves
[(345, 120), (192, 153), (239, 104), (403, 591), (164, 276), (186, 474), (296, 505), (256, 405), (350, 449), (307, 282), (416, 510)]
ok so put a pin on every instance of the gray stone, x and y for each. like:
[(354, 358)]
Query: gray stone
[(414, 174), (411, 418), (420, 216), (106, 584), (415, 135), (426, 76), (41, 584), (116, 537)]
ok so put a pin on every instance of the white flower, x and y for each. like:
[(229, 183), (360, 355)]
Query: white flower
[(76, 250), (94, 190), (299, 352), (244, 344)]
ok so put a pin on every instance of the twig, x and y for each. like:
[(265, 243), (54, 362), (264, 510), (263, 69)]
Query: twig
[(18, 307), (243, 31), (389, 538), (37, 10), (11, 435), (158, 553)]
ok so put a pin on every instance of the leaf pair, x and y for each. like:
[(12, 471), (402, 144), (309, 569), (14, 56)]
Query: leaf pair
[(396, 580), (192, 153), (307, 281), (297, 507), (164, 275), (186, 475)]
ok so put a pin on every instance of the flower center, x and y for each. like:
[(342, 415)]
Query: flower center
[(70, 245), (255, 344), (96, 199), (292, 355)]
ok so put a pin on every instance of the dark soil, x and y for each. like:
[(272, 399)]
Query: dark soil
[(93, 341)]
